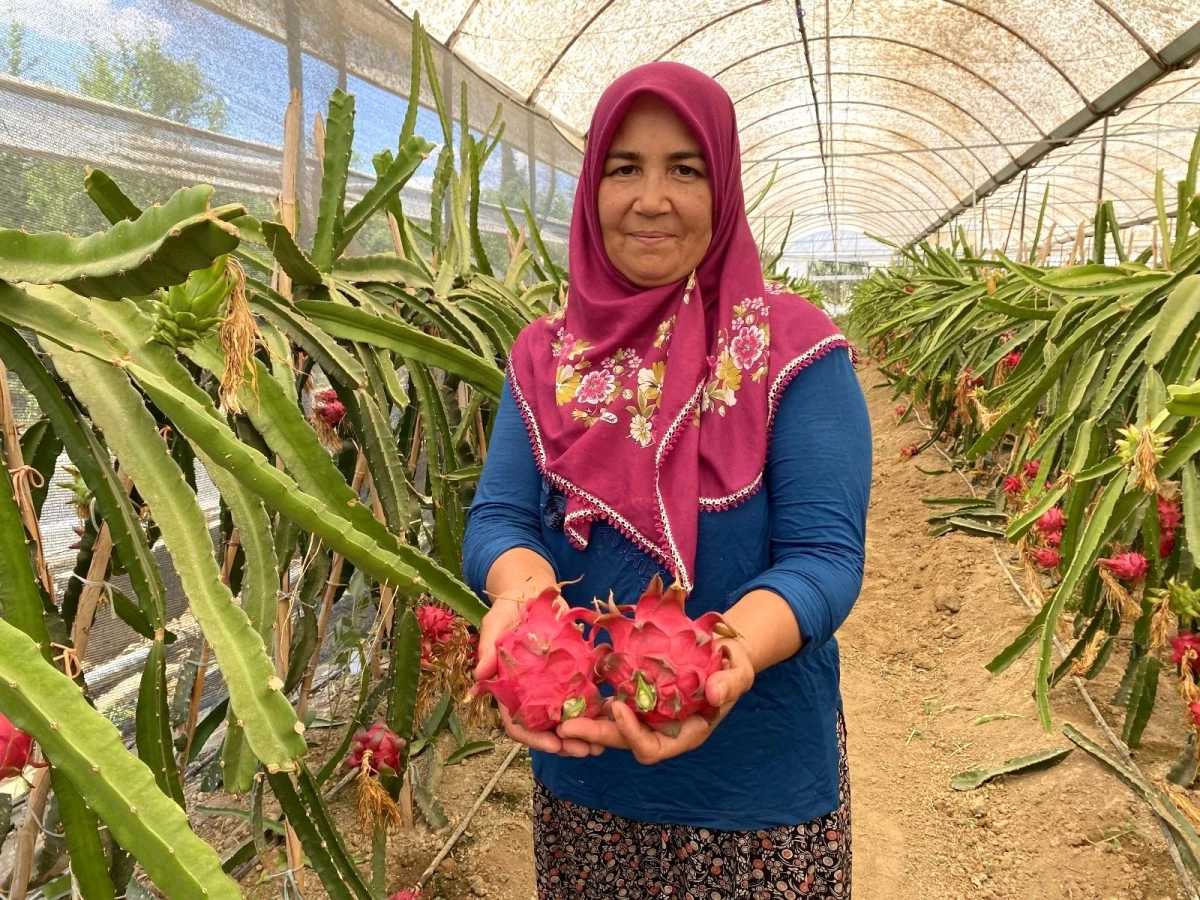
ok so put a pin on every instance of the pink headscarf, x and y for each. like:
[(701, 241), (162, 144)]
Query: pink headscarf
[(646, 405)]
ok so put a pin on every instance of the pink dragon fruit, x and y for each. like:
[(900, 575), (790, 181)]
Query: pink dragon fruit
[(1032, 468), (661, 659), (1054, 539), (1194, 707), (329, 408), (407, 894), (1051, 521), (1013, 484), (437, 627), (1047, 559), (1011, 361), (1166, 544), (1170, 515), (546, 667), (15, 749), (385, 746), (1182, 644), (1126, 566)]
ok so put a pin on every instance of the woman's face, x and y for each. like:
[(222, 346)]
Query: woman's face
[(655, 198)]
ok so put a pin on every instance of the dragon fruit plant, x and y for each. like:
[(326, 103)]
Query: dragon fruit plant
[(661, 659), (546, 666)]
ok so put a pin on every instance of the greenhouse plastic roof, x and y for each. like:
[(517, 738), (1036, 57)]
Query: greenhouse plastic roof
[(890, 118)]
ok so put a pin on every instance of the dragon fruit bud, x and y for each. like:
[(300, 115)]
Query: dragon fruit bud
[(1182, 644), (1170, 515), (1013, 484), (661, 659), (901, 410), (546, 670), (1051, 521), (1047, 559), (1126, 566), (15, 749), (1032, 468), (385, 746)]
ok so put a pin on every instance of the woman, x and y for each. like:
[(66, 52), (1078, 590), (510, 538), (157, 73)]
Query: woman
[(635, 431)]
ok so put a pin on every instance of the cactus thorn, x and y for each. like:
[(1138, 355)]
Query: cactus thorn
[(54, 726), (239, 723), (273, 769), (275, 683), (133, 809), (298, 727), (95, 768)]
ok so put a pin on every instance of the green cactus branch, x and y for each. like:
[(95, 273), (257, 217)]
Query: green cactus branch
[(130, 431), (87, 748), (132, 258)]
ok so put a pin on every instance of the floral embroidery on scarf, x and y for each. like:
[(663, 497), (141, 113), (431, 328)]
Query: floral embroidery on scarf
[(741, 352), (662, 337)]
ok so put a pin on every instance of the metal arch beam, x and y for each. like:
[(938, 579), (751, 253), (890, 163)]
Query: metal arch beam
[(566, 48), (905, 112), (868, 37), (711, 22), (816, 229), (763, 160), (912, 159), (904, 179), (910, 84), (801, 196), (1024, 40), (854, 201), (1142, 42), (1176, 55), (917, 198), (858, 221), (929, 198), (776, 156)]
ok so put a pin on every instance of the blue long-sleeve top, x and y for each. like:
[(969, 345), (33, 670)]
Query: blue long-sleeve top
[(773, 760)]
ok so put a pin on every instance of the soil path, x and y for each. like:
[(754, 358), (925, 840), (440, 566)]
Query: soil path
[(932, 612)]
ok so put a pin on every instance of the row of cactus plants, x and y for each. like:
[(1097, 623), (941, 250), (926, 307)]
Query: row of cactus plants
[(1072, 391), (193, 332)]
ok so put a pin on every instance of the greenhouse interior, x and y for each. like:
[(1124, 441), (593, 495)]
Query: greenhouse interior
[(309, 588)]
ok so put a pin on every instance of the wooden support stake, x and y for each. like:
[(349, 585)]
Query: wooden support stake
[(92, 593)]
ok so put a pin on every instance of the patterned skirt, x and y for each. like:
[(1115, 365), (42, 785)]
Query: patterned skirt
[(589, 854)]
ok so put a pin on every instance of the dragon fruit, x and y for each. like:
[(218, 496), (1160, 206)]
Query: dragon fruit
[(546, 667), (437, 628), (661, 659), (329, 408), (1166, 544), (1182, 644), (1126, 566), (1054, 539), (1170, 515), (15, 749), (1047, 559), (1194, 706), (1051, 521), (407, 894), (1013, 484), (1011, 361), (1032, 468), (384, 745)]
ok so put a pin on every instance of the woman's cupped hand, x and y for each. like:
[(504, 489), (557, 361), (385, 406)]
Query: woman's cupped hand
[(618, 727)]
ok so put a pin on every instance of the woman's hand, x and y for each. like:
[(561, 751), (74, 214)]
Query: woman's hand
[(625, 732), (503, 616)]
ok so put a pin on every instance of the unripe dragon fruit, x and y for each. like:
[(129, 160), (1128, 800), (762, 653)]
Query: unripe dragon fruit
[(661, 659), (15, 749), (385, 746), (546, 668), (1051, 521), (1047, 559), (1126, 566)]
